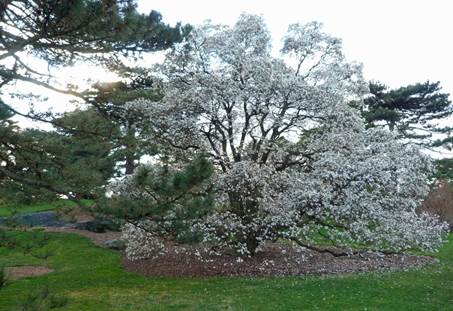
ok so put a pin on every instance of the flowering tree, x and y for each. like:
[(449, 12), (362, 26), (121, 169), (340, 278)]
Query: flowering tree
[(294, 158)]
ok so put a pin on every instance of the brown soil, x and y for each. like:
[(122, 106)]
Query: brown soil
[(97, 238), (15, 273), (275, 260)]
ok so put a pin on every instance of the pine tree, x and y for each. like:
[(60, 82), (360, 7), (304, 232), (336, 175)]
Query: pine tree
[(169, 199), (76, 162), (132, 137), (62, 32), (413, 111)]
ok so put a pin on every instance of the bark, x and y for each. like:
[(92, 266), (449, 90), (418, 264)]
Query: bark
[(130, 149)]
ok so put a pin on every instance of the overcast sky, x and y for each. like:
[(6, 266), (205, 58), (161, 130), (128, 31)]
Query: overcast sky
[(399, 42)]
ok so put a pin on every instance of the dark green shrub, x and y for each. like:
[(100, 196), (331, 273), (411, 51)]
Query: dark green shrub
[(7, 241), (42, 254), (27, 247), (42, 300), (3, 277), (40, 239), (57, 301)]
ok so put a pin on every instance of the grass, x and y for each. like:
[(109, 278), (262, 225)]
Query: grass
[(8, 210), (91, 278)]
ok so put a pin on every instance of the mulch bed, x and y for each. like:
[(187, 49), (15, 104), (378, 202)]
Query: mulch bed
[(274, 260), (271, 260), (15, 273)]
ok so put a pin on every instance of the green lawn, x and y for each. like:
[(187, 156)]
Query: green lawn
[(92, 279), (8, 210)]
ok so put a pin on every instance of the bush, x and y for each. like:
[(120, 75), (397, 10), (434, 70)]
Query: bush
[(7, 241), (43, 254), (15, 193), (43, 300), (440, 202), (99, 225), (3, 277)]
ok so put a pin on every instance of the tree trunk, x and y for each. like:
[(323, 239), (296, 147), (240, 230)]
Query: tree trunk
[(130, 164), (392, 126), (252, 244), (246, 211), (130, 149)]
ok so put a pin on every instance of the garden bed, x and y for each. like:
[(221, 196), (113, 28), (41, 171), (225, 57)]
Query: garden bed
[(274, 260)]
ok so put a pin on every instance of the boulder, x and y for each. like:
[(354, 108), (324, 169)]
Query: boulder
[(116, 244), (98, 225)]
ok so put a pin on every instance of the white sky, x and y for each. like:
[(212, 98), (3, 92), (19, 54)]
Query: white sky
[(399, 42)]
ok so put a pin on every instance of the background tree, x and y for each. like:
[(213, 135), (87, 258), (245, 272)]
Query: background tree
[(61, 32), (43, 35), (90, 149), (112, 103), (445, 169), (67, 163), (415, 112)]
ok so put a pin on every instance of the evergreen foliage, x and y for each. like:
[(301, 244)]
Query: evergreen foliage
[(74, 165), (444, 169), (111, 102), (413, 111), (164, 200), (60, 33)]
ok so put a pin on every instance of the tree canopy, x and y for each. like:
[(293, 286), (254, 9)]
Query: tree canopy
[(292, 157)]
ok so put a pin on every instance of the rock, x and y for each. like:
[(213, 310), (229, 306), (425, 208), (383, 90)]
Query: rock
[(116, 244), (41, 219), (97, 225)]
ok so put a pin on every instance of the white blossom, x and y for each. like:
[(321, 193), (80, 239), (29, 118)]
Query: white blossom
[(140, 243), (293, 156)]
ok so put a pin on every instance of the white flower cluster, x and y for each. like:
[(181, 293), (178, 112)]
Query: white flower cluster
[(364, 185), (252, 208), (141, 244)]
